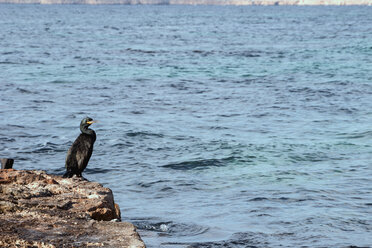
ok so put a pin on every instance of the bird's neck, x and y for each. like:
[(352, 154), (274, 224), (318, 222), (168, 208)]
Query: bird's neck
[(87, 131)]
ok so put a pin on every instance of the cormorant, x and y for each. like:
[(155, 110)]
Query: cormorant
[(79, 153)]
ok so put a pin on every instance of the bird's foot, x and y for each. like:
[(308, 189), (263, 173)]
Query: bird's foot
[(68, 174), (81, 177)]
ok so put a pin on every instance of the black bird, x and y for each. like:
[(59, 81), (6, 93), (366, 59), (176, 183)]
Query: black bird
[(79, 153)]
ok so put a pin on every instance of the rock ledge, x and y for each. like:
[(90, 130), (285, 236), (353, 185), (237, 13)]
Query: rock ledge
[(41, 210)]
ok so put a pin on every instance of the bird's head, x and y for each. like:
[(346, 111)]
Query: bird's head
[(86, 122)]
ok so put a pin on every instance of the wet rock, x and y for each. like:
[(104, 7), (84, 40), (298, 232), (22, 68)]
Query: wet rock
[(41, 210)]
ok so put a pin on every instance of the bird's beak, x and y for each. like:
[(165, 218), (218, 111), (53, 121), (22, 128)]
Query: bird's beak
[(91, 122)]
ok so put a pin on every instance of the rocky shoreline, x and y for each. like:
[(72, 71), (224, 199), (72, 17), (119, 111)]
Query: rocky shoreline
[(41, 210), (197, 2)]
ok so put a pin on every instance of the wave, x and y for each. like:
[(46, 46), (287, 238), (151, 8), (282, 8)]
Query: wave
[(170, 227), (96, 170), (143, 51), (61, 82), (237, 240), (6, 139), (144, 134), (9, 63), (25, 91), (246, 54), (355, 135), (200, 164)]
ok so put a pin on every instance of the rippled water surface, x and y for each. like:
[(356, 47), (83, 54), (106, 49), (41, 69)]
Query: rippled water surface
[(219, 126)]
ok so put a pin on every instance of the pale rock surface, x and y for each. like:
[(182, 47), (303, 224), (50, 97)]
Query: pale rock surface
[(41, 210)]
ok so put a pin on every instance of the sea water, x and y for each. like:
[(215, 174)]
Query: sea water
[(219, 126)]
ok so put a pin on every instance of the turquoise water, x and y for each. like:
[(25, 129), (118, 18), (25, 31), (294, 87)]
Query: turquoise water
[(219, 126)]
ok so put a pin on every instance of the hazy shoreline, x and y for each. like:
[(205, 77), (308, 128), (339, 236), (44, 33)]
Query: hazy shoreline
[(197, 2)]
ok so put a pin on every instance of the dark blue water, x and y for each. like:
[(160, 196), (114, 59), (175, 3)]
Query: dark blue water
[(219, 126)]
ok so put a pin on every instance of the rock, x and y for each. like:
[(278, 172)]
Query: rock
[(7, 163), (41, 210)]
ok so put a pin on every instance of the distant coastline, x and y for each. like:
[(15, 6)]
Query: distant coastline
[(197, 2)]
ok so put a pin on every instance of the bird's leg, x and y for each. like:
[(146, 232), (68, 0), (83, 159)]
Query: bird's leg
[(68, 174)]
